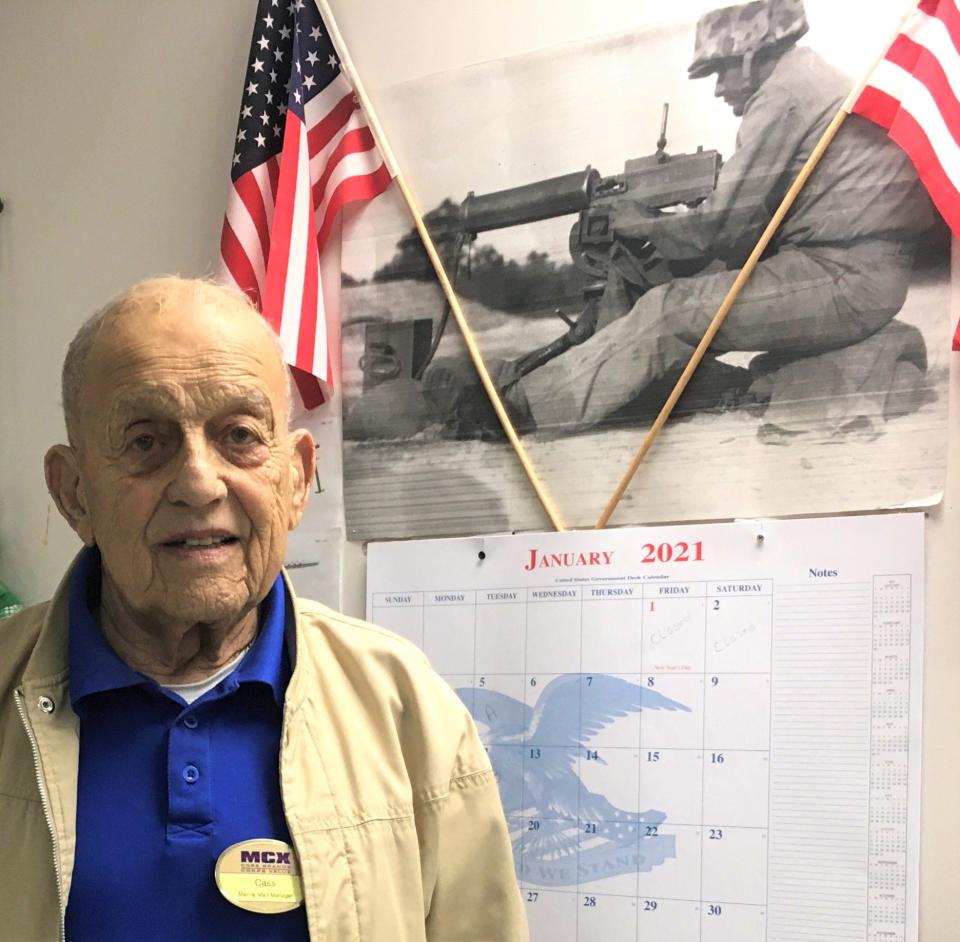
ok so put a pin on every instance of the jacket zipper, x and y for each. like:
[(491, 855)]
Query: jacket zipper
[(45, 802), (283, 806)]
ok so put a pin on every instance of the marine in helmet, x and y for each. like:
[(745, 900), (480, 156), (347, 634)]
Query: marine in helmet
[(820, 305), (742, 44)]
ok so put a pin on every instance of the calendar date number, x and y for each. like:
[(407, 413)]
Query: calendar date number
[(672, 552)]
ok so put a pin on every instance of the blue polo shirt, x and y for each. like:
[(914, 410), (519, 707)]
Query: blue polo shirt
[(164, 787)]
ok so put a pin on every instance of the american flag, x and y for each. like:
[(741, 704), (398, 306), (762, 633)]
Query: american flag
[(914, 92), (303, 151)]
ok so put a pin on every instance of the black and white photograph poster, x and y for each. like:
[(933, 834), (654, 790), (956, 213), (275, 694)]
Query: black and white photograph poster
[(593, 203)]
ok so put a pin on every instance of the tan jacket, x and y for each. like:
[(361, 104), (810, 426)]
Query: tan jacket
[(388, 793)]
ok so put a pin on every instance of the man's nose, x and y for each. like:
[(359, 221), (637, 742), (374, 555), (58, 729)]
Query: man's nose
[(197, 481)]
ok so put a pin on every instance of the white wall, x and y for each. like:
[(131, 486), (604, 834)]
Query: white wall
[(116, 124)]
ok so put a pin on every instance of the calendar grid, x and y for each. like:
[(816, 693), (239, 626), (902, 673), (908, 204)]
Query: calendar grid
[(526, 627), (649, 674), (640, 771), (476, 634), (735, 755), (703, 767), (580, 759)]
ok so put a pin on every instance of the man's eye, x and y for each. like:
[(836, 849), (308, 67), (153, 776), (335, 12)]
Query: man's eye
[(241, 435), (144, 443)]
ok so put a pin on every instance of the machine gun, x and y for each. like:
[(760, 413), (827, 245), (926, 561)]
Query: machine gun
[(658, 181)]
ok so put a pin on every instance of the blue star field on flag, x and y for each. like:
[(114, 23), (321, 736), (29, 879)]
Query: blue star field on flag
[(291, 60)]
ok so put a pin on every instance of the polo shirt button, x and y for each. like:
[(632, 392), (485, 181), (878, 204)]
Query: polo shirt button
[(190, 774), (190, 721)]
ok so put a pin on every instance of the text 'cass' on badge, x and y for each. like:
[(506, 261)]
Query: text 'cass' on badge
[(261, 875)]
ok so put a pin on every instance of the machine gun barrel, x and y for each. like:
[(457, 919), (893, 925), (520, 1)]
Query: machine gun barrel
[(546, 199)]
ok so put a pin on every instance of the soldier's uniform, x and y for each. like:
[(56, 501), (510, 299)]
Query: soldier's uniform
[(837, 272)]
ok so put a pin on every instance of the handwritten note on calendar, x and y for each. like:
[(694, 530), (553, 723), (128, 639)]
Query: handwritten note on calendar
[(702, 733)]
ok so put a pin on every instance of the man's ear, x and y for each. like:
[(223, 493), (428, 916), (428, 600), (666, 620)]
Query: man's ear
[(303, 465), (62, 470)]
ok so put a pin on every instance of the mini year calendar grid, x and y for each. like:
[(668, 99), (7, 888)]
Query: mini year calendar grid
[(705, 733)]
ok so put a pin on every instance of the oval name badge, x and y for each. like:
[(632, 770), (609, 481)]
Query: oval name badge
[(261, 875)]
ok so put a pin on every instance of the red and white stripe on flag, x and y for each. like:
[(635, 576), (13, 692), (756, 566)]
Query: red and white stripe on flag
[(327, 162), (281, 213), (914, 92)]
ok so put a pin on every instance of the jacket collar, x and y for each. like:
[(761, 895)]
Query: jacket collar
[(50, 658)]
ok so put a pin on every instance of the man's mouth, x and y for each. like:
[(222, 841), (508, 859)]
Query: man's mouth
[(199, 542)]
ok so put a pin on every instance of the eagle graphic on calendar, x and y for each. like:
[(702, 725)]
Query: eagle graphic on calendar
[(563, 832)]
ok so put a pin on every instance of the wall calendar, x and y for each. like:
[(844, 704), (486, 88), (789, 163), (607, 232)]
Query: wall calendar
[(702, 733)]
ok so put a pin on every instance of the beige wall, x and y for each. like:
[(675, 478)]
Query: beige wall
[(116, 122)]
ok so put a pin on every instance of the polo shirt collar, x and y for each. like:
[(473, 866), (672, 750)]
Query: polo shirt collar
[(96, 668)]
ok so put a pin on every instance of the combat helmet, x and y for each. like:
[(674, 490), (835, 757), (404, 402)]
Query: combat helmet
[(742, 30)]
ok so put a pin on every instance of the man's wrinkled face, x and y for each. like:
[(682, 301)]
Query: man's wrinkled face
[(733, 87), (188, 475)]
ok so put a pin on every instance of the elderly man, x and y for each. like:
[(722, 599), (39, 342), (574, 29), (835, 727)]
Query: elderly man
[(189, 751)]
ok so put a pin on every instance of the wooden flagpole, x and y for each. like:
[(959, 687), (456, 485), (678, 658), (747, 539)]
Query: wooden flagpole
[(380, 136), (785, 206)]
